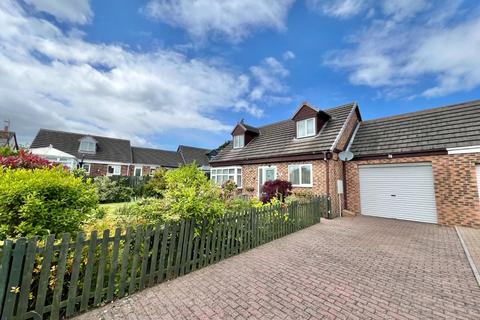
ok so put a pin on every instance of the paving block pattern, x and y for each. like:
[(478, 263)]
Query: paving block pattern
[(347, 268)]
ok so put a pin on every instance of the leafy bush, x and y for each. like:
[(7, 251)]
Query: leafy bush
[(7, 151), (24, 160), (43, 201), (279, 189), (156, 185), (189, 194), (111, 191)]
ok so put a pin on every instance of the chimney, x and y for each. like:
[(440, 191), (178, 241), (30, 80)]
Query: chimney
[(7, 126)]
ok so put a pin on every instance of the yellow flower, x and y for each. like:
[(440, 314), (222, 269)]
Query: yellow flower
[(15, 290)]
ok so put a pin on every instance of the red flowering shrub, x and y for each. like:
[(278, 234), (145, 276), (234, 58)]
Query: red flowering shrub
[(276, 189), (25, 160)]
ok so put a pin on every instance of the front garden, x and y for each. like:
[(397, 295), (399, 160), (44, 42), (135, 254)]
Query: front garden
[(115, 239)]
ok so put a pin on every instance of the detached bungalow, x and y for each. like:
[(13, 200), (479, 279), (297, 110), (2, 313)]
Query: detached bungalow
[(421, 166), (303, 149)]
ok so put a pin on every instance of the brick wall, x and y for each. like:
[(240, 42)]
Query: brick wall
[(97, 169), (250, 176), (455, 184)]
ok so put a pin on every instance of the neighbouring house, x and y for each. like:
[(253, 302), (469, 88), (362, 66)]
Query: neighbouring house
[(196, 155), (8, 138), (99, 156), (104, 156), (147, 160), (421, 166), (303, 149)]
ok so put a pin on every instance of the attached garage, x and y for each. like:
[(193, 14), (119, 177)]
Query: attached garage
[(398, 191)]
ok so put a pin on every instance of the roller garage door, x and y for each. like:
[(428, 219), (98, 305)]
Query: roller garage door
[(398, 191)]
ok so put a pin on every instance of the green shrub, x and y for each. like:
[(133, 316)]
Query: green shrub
[(189, 194), (43, 201), (111, 191), (156, 185)]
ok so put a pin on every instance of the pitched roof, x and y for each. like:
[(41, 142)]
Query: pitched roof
[(108, 149), (158, 157), (191, 154), (278, 139), (434, 129)]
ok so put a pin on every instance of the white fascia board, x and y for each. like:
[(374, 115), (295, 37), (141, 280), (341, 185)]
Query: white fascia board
[(459, 150)]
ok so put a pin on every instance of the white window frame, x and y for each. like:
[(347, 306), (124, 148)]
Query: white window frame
[(299, 166), (237, 175), (238, 141), (89, 167), (115, 171), (135, 171), (263, 176), (306, 134)]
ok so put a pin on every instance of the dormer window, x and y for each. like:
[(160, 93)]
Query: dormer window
[(306, 128), (87, 145), (238, 141)]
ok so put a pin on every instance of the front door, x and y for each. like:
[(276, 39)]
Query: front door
[(266, 174)]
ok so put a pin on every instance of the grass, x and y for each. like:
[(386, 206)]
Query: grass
[(111, 207)]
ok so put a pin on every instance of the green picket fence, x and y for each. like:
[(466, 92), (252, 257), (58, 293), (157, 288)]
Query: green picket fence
[(55, 278)]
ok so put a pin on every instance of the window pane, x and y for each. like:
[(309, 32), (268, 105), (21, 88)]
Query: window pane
[(310, 125), (294, 175), (306, 170), (301, 128), (231, 171), (239, 181)]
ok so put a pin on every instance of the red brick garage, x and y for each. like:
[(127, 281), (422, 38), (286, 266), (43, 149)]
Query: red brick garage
[(445, 139)]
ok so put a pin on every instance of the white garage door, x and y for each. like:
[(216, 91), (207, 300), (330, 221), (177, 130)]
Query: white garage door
[(398, 191)]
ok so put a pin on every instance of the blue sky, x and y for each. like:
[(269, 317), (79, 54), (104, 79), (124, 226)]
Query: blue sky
[(164, 73)]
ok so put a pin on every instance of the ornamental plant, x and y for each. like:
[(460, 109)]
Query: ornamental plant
[(24, 160), (279, 189), (43, 201)]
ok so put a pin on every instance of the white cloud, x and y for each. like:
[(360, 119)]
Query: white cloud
[(395, 9), (233, 19), (337, 8), (288, 55), (75, 11), (394, 53), (50, 78), (269, 76)]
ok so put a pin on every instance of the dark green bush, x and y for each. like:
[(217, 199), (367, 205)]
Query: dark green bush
[(43, 201), (111, 191)]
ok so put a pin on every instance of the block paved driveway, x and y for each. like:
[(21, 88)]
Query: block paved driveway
[(349, 268)]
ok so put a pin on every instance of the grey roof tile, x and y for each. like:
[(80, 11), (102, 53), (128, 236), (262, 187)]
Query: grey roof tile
[(278, 139), (108, 149), (193, 154), (434, 129), (158, 157)]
